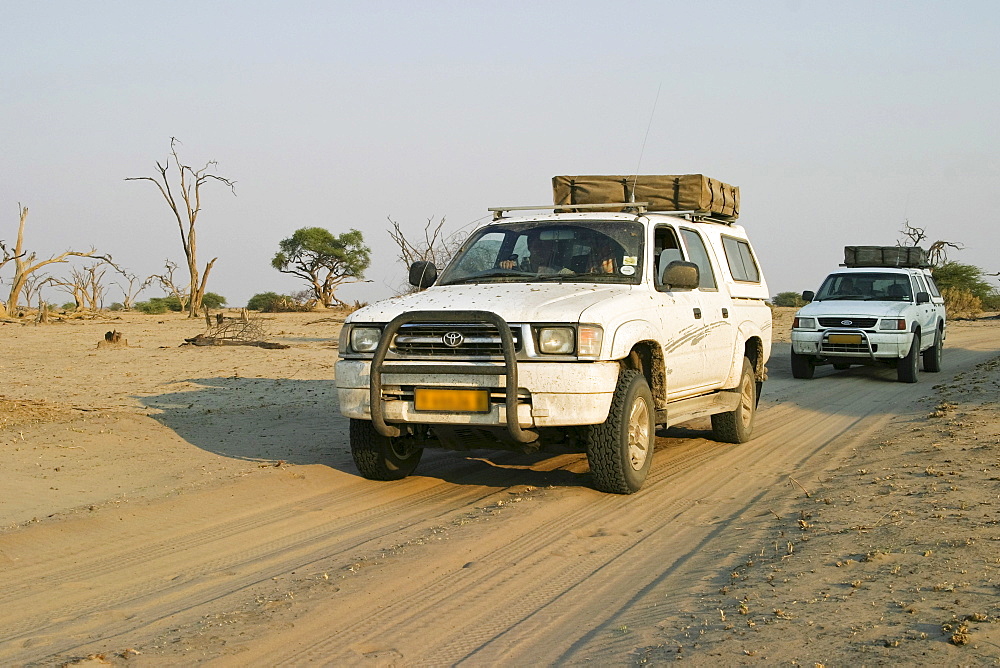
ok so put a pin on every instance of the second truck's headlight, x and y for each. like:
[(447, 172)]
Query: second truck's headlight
[(364, 339), (556, 340)]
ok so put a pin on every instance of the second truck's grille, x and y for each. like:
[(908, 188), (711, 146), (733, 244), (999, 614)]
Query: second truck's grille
[(451, 340), (860, 323)]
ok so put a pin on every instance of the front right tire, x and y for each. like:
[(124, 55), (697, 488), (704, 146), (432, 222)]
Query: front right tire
[(380, 457), (802, 366)]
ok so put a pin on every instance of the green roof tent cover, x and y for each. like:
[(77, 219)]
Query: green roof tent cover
[(686, 192), (886, 256)]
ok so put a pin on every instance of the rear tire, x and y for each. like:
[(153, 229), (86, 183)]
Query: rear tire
[(906, 367), (620, 451), (380, 457), (802, 366), (932, 356), (736, 426)]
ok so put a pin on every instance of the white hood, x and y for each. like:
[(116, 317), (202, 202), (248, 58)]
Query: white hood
[(853, 309), (514, 302)]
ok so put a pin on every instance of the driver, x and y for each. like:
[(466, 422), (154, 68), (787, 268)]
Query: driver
[(542, 257)]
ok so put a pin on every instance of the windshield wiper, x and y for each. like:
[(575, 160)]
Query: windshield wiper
[(503, 273)]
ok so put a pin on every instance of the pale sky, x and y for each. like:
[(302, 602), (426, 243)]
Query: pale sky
[(838, 120)]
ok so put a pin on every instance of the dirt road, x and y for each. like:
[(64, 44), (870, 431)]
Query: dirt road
[(205, 509)]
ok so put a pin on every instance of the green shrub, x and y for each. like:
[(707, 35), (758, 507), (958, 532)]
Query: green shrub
[(158, 305), (117, 306), (788, 299), (272, 302), (213, 300)]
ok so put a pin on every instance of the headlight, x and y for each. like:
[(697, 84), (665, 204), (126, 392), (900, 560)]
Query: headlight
[(364, 339), (892, 323), (804, 323), (590, 339), (556, 340)]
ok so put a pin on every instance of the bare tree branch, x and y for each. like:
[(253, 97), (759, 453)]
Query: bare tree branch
[(185, 211)]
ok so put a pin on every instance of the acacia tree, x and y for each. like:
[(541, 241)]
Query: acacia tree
[(185, 211), (25, 264), (323, 260)]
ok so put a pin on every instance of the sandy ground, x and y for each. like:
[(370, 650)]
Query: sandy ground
[(176, 505)]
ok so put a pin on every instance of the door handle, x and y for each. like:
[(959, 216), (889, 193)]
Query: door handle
[(725, 313), (697, 314)]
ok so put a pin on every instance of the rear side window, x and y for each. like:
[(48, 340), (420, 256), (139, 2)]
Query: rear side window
[(933, 287), (699, 255), (741, 262)]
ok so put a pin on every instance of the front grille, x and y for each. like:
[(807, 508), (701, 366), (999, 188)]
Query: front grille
[(860, 323), (852, 348), (428, 340)]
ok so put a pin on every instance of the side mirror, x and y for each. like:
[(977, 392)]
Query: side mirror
[(680, 275), (808, 296), (423, 274), (923, 298)]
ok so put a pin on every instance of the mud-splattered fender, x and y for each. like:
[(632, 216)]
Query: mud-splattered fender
[(628, 334)]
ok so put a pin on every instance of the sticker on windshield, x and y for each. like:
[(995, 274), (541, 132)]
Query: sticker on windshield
[(627, 270), (630, 260)]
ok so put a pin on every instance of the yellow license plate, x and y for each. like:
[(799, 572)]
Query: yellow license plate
[(854, 339), (462, 401)]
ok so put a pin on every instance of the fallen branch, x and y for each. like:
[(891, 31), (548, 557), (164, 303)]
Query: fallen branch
[(202, 340), (808, 495)]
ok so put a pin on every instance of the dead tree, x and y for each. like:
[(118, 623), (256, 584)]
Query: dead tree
[(185, 211), (937, 252), (86, 286), (25, 264), (436, 246), (169, 285), (135, 285), (33, 286)]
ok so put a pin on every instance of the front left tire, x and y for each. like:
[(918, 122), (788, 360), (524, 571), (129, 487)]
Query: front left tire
[(380, 457), (620, 451)]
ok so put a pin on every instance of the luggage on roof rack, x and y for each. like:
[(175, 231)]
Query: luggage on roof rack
[(886, 256), (685, 192)]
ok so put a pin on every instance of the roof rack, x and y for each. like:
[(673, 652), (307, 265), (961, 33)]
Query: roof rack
[(638, 207)]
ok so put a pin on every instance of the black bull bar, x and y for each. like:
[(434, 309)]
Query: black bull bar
[(509, 369)]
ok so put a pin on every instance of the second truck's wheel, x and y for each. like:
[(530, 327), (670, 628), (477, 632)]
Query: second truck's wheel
[(736, 426), (932, 356), (379, 457), (620, 450), (906, 367), (802, 366)]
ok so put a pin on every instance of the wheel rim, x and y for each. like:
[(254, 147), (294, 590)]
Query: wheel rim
[(400, 448), (746, 402), (638, 435)]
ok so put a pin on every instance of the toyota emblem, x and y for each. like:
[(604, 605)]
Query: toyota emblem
[(452, 339), (842, 322)]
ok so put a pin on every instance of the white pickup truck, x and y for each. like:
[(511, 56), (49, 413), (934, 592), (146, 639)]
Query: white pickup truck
[(582, 330), (872, 315)]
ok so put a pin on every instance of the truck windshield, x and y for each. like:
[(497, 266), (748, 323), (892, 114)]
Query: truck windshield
[(579, 251), (866, 286)]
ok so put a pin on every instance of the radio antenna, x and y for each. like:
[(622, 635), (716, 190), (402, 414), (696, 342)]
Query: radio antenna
[(644, 138)]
